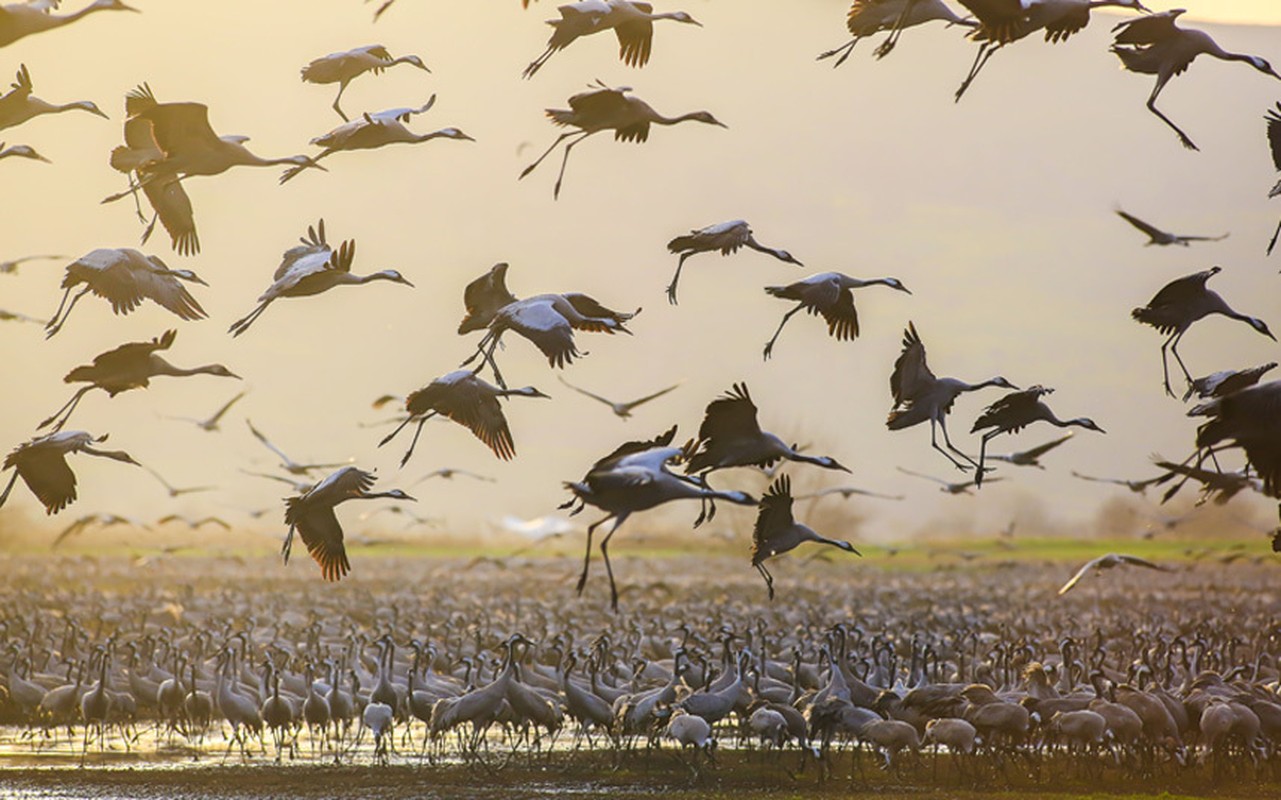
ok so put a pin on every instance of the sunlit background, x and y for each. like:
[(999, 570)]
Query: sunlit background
[(997, 212)]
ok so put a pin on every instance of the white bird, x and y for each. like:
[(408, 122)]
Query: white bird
[(376, 130), (125, 277), (311, 514), (20, 105), (1108, 562), (623, 410), (22, 151), (42, 465), (313, 275), (23, 19), (632, 22), (727, 237), (342, 68)]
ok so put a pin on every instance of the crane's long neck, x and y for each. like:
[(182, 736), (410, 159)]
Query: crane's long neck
[(50, 21), (760, 248), (659, 119), (162, 367), (974, 387)]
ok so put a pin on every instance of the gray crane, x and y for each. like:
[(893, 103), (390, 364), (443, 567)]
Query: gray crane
[(25, 18), (632, 22), (608, 109), (19, 105), (830, 295), (920, 396), (484, 297), (129, 366), (776, 532), (125, 278), (1159, 237), (211, 423), (635, 478), (1105, 562), (727, 237), (465, 398), (1156, 45), (342, 68), (1181, 303), (1014, 412), (867, 17), (1249, 419), (1225, 382), (21, 151), (1031, 457), (311, 514), (621, 410), (287, 463), (949, 487), (1273, 118), (42, 465)]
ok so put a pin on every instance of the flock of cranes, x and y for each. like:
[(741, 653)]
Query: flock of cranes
[(167, 143)]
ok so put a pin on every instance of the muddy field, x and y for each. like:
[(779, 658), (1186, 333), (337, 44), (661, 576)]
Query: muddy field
[(987, 619)]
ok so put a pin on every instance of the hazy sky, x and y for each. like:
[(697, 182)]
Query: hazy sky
[(996, 212)]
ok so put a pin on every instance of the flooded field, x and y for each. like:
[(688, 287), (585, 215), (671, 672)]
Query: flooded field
[(844, 646)]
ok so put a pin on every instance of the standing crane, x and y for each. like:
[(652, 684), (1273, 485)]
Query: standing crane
[(632, 22), (343, 68), (1013, 413), (42, 465), (727, 237), (867, 17), (372, 131), (311, 276), (125, 277), (920, 396), (776, 532), (1157, 236), (129, 366), (635, 478), (311, 514), (608, 109), (33, 16), (1181, 303), (1156, 45), (19, 105), (465, 398), (1003, 22), (830, 295)]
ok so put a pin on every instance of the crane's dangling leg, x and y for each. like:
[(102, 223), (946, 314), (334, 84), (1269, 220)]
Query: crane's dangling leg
[(769, 346), (985, 52), (560, 176), (58, 313), (671, 287), (978, 476), (901, 22), (241, 325), (769, 579), (844, 50), (417, 433), (65, 411), (934, 443), (587, 556), (1273, 243), (51, 328), (480, 351), (342, 87), (609, 570), (537, 63), (1174, 348), (288, 545), (947, 440), (559, 139), (9, 487), (493, 364), (1156, 90)]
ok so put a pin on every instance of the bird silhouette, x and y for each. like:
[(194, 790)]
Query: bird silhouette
[(311, 276), (867, 17), (311, 514), (372, 131), (1003, 22), (210, 423), (11, 267), (949, 487), (1015, 411), (1273, 118), (920, 396), (42, 465), (14, 316), (1156, 45), (1181, 303), (484, 297), (102, 520), (21, 151), (33, 16), (776, 531), (632, 22), (174, 491), (608, 109), (727, 237), (1031, 457), (622, 410), (129, 366), (829, 295), (465, 398), (287, 463), (1249, 419), (1160, 237), (20, 105), (125, 277), (1136, 486), (342, 68), (1225, 382), (1106, 562)]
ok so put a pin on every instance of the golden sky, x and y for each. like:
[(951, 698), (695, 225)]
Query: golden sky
[(996, 212)]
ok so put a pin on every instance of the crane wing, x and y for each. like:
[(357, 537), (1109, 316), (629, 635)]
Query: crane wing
[(911, 374), (1274, 134), (631, 448), (173, 208), (774, 516), (1012, 407), (180, 127), (1183, 289), (11, 101), (731, 416), (842, 317), (46, 474), (1075, 579), (1148, 29), (483, 297), (635, 39), (1150, 230), (322, 534), (467, 404), (1042, 449)]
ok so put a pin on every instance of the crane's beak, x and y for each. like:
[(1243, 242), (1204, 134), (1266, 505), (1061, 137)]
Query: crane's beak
[(124, 7)]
